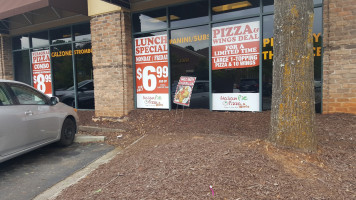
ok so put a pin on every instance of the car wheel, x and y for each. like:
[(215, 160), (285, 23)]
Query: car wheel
[(68, 132)]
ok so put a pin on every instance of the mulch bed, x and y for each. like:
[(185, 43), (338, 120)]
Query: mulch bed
[(181, 154)]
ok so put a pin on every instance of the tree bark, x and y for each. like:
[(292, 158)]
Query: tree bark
[(293, 103)]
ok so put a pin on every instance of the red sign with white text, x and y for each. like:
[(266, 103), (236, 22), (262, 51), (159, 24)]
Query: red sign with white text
[(236, 46), (151, 58), (41, 71)]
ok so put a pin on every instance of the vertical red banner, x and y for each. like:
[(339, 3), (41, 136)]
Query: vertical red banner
[(41, 71), (151, 58)]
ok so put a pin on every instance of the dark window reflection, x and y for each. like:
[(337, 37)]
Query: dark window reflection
[(62, 66), (40, 39), (151, 20), (232, 8), (268, 5), (83, 62), (20, 42), (22, 66), (190, 57), (189, 14), (59, 36), (267, 62), (81, 32)]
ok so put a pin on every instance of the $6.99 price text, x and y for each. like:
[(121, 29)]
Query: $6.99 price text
[(151, 74)]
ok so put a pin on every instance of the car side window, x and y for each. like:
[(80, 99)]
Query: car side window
[(28, 96), (4, 98)]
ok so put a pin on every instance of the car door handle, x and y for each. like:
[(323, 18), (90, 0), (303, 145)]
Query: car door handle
[(29, 112)]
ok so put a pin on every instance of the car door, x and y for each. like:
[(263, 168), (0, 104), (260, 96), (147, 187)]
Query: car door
[(13, 124), (42, 122)]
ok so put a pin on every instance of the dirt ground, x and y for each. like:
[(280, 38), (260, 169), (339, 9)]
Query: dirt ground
[(179, 155)]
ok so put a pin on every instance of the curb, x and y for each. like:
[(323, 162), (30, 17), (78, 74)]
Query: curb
[(80, 138), (99, 129)]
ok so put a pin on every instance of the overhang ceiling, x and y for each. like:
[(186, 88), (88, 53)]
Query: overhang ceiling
[(18, 15)]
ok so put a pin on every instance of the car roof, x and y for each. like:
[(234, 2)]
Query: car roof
[(11, 81)]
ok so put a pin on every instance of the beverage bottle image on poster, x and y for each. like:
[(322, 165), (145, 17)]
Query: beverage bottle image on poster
[(41, 71), (236, 46), (184, 90), (151, 58)]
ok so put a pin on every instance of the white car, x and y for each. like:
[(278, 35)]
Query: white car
[(30, 119)]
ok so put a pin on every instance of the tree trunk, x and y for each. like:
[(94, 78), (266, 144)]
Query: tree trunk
[(293, 104)]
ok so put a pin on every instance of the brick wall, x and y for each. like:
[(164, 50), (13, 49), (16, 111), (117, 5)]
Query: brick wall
[(339, 61), (112, 63), (6, 69)]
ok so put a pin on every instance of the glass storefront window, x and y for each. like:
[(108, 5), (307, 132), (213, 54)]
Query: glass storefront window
[(317, 30), (148, 21), (82, 32), (22, 66), (62, 65), (235, 65), (267, 61), (231, 8), (40, 39), (268, 5), (20, 42), (84, 66), (189, 56), (189, 14), (59, 36)]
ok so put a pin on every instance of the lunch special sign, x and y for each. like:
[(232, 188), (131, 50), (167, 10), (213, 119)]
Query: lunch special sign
[(236, 46), (41, 71), (151, 58)]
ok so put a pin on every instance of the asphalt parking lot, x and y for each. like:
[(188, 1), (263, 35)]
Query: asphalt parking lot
[(25, 177)]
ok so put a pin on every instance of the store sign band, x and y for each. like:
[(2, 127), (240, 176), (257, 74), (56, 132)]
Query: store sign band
[(41, 71), (151, 58)]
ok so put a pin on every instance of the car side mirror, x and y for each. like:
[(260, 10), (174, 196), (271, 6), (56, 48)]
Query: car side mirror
[(54, 100)]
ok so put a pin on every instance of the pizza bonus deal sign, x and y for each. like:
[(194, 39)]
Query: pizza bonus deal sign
[(236, 46), (151, 58), (41, 71)]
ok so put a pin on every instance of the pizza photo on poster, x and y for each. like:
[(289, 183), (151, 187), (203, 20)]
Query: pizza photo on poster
[(236, 46), (151, 67), (41, 71), (184, 90)]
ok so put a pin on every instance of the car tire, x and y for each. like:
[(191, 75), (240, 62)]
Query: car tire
[(68, 132)]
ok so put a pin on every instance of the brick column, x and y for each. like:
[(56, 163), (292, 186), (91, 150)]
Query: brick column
[(112, 63), (6, 69), (339, 61)]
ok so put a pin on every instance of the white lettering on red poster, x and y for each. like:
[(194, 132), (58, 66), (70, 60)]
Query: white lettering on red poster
[(41, 71), (151, 58), (236, 46)]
